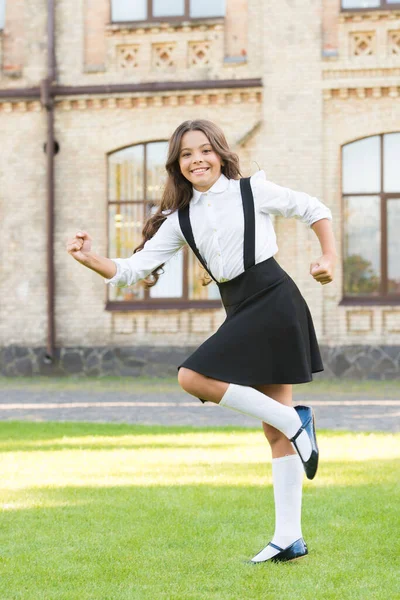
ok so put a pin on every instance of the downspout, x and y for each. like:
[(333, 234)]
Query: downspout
[(47, 101)]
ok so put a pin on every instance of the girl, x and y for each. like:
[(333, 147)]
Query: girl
[(267, 341)]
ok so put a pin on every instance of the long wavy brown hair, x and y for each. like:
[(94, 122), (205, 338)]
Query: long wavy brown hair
[(178, 190)]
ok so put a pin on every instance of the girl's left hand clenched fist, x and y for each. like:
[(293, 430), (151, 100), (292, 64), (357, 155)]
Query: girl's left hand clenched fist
[(323, 269)]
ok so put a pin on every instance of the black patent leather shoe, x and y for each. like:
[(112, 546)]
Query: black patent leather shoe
[(307, 418), (296, 550)]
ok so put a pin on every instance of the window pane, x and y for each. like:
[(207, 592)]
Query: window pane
[(170, 284), (2, 13), (156, 173), (391, 153), (170, 8), (125, 233), (126, 174), (361, 3), (362, 166), (128, 10), (196, 289), (207, 8), (393, 224), (362, 242)]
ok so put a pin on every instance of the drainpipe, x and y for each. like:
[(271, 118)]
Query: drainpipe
[(47, 101)]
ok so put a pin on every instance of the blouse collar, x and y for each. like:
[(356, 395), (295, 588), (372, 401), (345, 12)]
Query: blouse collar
[(219, 186)]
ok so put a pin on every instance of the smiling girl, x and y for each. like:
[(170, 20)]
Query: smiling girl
[(267, 342)]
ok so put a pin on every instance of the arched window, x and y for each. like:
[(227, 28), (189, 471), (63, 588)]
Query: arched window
[(135, 178), (371, 209)]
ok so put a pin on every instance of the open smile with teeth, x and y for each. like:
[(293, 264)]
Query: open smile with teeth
[(200, 171)]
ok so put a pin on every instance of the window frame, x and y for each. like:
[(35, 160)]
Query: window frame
[(149, 303), (167, 19), (384, 5), (383, 298), (3, 14)]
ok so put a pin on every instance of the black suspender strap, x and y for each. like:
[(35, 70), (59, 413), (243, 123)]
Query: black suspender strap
[(186, 227), (249, 243)]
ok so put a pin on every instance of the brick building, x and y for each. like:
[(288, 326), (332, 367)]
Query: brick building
[(89, 93)]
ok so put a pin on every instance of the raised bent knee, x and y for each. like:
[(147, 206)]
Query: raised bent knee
[(188, 379)]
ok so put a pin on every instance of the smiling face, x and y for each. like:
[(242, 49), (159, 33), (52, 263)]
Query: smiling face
[(198, 162)]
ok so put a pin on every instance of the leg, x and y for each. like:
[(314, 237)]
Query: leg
[(287, 475), (201, 386), (272, 405), (249, 401), (280, 445)]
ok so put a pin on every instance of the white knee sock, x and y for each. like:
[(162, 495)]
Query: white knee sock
[(287, 474), (249, 401)]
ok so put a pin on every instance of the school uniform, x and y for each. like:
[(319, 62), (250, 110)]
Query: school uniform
[(268, 335)]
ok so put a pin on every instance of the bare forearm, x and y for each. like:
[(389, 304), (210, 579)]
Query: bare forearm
[(324, 232), (101, 265)]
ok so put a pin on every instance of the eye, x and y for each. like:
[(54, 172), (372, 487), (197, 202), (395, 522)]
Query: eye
[(208, 150), (184, 155)]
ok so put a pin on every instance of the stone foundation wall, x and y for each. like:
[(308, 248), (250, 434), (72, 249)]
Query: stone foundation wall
[(348, 362)]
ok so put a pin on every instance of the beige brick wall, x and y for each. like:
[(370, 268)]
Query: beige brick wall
[(13, 35), (309, 108), (23, 227), (96, 15), (330, 27)]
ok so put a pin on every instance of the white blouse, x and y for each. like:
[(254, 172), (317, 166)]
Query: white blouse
[(217, 222)]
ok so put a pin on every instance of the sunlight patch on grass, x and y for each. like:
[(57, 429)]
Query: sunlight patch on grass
[(210, 458)]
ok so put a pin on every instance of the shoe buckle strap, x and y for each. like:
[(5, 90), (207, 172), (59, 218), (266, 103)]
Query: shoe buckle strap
[(302, 428), (275, 546)]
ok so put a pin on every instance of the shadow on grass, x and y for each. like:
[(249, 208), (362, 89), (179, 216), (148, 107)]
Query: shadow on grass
[(192, 541)]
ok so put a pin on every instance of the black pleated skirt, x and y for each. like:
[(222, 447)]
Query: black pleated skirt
[(268, 335)]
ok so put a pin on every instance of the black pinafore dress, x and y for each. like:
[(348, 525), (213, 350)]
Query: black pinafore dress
[(268, 335)]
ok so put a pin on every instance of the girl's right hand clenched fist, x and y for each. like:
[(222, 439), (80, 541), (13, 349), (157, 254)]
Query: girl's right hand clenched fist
[(80, 246)]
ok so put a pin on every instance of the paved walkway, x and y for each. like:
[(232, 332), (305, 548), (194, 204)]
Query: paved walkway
[(173, 407)]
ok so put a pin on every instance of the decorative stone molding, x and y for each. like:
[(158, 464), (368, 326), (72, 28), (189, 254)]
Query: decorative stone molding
[(361, 321), (128, 57), (352, 73), (20, 106), (372, 17), (362, 43), (391, 321), (155, 28), (393, 43), (164, 55), (158, 100), (345, 93), (199, 54), (184, 98)]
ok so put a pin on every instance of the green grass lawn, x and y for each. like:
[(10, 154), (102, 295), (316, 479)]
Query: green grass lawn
[(118, 512)]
